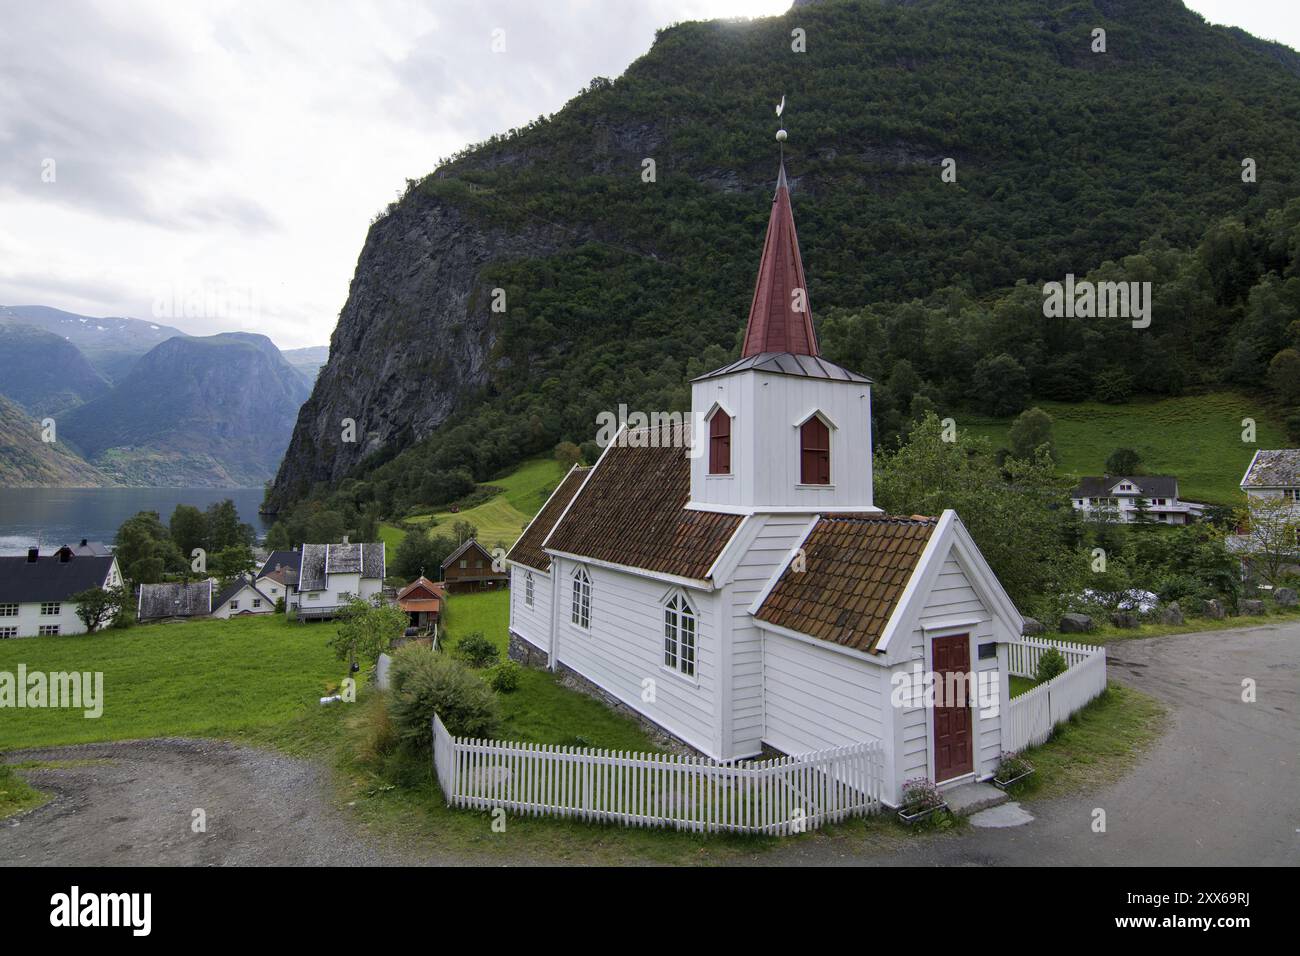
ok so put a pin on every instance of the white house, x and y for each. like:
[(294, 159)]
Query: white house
[(330, 574), (36, 589), (1273, 474), (277, 577), (742, 592), (1123, 497), (243, 596)]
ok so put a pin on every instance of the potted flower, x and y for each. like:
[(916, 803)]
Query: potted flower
[(920, 799), (1011, 768)]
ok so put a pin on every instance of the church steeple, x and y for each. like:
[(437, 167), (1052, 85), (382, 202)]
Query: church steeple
[(780, 317)]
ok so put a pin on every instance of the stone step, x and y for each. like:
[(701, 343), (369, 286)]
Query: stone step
[(972, 797)]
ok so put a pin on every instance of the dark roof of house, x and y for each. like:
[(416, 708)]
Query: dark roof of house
[(1274, 468), (285, 577), (92, 548), (470, 544), (1151, 486), (50, 579), (632, 509), (855, 570), (321, 559), (528, 549), (282, 559), (785, 363), (173, 599)]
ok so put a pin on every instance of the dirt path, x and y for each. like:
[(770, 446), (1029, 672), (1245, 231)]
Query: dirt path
[(132, 803)]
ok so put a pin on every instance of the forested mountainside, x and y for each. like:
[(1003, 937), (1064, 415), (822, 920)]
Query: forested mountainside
[(26, 461), (43, 372), (618, 290)]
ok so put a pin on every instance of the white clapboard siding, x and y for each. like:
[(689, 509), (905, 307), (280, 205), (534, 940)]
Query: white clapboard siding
[(777, 797), (1036, 712)]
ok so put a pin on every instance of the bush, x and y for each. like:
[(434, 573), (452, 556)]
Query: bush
[(504, 678), (1050, 665), (424, 683), (920, 794), (477, 650)]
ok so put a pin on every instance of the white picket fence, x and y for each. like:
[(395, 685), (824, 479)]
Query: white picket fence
[(779, 797), (1035, 713)]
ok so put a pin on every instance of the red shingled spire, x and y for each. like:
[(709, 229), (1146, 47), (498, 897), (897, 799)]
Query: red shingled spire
[(774, 325)]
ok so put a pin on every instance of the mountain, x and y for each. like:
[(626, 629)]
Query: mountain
[(617, 287), (308, 360), (45, 373), (212, 411), (28, 462), (111, 345)]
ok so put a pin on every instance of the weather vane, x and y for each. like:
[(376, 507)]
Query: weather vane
[(780, 133)]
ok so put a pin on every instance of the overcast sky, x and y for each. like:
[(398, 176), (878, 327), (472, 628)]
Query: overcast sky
[(214, 164)]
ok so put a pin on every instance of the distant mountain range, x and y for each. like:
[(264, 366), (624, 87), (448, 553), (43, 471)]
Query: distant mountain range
[(138, 403)]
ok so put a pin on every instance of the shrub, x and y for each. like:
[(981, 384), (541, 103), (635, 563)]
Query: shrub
[(504, 677), (1011, 766), (1050, 665), (920, 794), (477, 650), (424, 683)]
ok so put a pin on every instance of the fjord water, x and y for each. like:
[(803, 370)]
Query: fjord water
[(50, 517)]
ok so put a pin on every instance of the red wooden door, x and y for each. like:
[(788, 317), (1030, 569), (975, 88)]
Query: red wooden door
[(953, 754)]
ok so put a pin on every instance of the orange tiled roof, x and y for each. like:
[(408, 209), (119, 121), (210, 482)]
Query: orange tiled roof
[(856, 567), (528, 549), (632, 510)]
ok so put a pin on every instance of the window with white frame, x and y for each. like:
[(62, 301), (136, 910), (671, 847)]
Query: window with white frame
[(51, 609), (8, 610), (1292, 493), (8, 632), (234, 605), (581, 613), (48, 630), (528, 589), (679, 635), (257, 602)]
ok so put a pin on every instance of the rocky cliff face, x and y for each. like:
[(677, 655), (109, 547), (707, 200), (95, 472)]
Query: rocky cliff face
[(414, 338)]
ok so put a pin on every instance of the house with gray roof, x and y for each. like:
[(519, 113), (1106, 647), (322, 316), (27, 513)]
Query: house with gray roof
[(1124, 498), (1274, 473), (331, 574), (243, 596), (36, 590)]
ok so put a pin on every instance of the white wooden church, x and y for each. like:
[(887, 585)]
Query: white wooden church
[(751, 597)]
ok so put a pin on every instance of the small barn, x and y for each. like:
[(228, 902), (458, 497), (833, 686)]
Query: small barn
[(422, 600), (471, 568)]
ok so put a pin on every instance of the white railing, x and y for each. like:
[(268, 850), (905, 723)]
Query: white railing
[(781, 796), (1035, 712)]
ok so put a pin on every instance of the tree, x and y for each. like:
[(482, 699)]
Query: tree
[(1114, 386), (1284, 376), (1030, 432), (229, 563), (1123, 462), (145, 550), (421, 553), (1001, 385), (568, 454), (224, 529), (325, 527), (189, 529), (1017, 521), (464, 530), (367, 629), (97, 606), (1271, 542)]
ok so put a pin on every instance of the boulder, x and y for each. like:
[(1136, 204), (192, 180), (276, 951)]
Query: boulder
[(1075, 624), (1285, 597), (1213, 609), (1171, 614), (1032, 627), (1124, 619), (1251, 608)]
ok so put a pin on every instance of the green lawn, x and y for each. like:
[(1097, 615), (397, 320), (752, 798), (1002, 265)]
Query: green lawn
[(1195, 438), (1096, 746), (15, 795), (502, 518), (200, 678)]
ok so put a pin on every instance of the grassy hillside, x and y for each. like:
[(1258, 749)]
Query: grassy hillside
[(1197, 439), (28, 462), (200, 678), (503, 517)]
